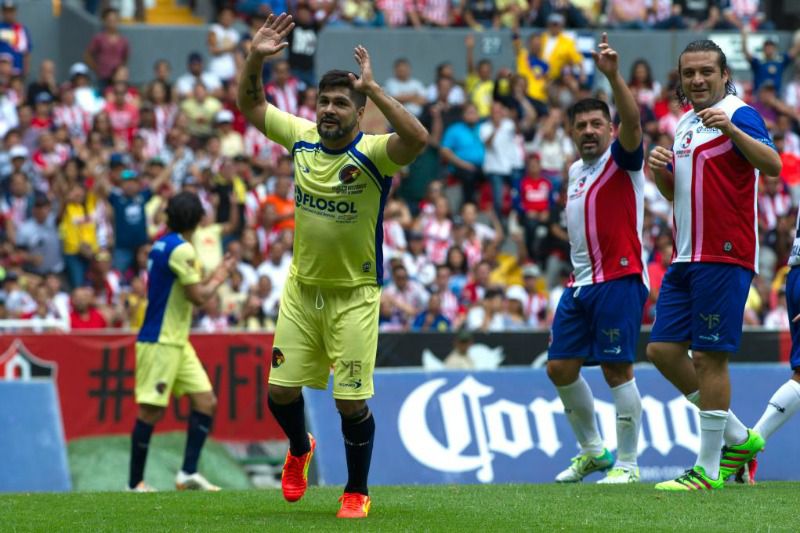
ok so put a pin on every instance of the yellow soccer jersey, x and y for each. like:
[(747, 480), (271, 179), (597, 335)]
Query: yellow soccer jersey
[(171, 265), (339, 200)]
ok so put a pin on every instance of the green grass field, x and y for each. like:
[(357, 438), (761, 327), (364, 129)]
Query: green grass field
[(766, 507), (101, 463)]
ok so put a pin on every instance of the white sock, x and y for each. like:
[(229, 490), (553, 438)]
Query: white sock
[(735, 431), (579, 408), (783, 404), (712, 427), (629, 418)]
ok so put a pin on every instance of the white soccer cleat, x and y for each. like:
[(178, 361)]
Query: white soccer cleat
[(621, 476), (583, 465), (141, 487), (196, 481)]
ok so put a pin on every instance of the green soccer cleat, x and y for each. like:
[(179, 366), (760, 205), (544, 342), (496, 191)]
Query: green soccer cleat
[(583, 465), (620, 476), (737, 456), (693, 479)]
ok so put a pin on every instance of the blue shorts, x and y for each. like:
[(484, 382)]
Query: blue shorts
[(599, 322), (793, 308), (702, 303)]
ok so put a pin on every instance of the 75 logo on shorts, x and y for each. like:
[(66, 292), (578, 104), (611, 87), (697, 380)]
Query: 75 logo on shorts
[(352, 367)]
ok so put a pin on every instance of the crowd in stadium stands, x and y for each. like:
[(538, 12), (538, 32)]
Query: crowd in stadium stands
[(474, 230)]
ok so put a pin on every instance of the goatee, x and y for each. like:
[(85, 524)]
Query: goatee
[(338, 133)]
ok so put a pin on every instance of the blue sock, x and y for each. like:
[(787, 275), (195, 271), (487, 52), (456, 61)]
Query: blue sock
[(292, 419), (199, 428), (140, 442), (359, 434)]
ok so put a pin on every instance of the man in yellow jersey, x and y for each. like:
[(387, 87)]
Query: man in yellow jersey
[(330, 303), (165, 360)]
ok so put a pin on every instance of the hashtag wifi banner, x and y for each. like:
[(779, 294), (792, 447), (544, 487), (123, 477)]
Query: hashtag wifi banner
[(94, 376)]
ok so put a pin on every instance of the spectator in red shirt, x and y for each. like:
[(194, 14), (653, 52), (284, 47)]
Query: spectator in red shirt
[(283, 91), (123, 73), (84, 315), (398, 13), (475, 289), (123, 114), (655, 271), (50, 156), (790, 174), (107, 49), (534, 195), (43, 112)]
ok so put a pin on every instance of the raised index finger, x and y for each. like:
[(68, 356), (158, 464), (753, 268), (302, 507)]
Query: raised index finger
[(604, 38)]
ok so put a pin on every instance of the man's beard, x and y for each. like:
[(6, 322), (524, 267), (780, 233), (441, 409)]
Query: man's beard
[(340, 132)]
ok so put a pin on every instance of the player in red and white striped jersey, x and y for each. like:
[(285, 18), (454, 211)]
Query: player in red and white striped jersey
[(599, 314), (711, 175)]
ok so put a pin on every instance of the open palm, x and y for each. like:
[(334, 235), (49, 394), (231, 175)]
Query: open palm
[(364, 81), (271, 37)]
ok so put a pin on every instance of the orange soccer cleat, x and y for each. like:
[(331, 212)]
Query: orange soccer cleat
[(354, 505), (294, 480)]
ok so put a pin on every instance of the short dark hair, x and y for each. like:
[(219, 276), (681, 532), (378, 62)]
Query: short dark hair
[(341, 78), (705, 45), (585, 106), (184, 212), (107, 11), (401, 61)]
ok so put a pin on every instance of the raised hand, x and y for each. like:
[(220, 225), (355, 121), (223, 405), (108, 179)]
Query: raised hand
[(365, 82), (606, 58), (271, 37)]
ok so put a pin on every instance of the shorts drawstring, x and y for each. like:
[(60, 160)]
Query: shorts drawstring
[(319, 303)]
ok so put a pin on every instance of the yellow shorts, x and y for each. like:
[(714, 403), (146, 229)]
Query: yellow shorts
[(162, 369), (320, 328)]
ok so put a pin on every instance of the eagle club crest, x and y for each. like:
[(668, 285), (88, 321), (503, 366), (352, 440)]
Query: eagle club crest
[(349, 174), (18, 363)]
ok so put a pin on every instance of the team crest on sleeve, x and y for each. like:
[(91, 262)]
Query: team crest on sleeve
[(349, 174), (277, 357)]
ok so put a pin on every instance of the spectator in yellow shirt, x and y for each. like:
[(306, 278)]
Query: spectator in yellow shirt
[(511, 11), (531, 66), (559, 50), (479, 83), (200, 110), (78, 232)]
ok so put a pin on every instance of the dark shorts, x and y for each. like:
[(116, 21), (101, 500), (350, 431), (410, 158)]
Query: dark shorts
[(702, 303), (599, 322), (793, 308)]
